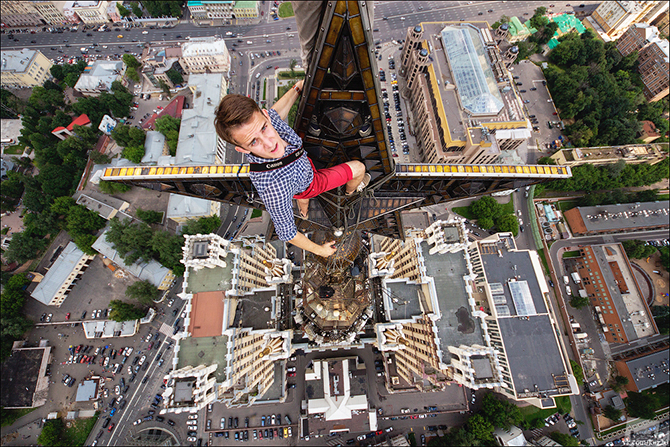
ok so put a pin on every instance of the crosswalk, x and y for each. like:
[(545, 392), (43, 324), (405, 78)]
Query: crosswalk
[(167, 330)]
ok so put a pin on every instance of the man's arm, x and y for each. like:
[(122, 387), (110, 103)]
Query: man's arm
[(302, 241), (283, 105)]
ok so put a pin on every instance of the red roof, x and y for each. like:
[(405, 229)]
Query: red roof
[(58, 129), (81, 120), (173, 109)]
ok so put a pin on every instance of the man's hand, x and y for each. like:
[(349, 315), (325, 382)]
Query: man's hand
[(327, 249)]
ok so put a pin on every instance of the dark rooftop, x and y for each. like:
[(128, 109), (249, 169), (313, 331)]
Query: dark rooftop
[(532, 352), (650, 370), (630, 215), (250, 311), (19, 377)]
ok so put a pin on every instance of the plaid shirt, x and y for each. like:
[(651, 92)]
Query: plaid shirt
[(277, 187)]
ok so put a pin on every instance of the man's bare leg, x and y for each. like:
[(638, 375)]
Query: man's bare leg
[(303, 206), (358, 170)]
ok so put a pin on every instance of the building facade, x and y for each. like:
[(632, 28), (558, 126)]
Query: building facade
[(16, 13), (615, 17), (205, 55), (24, 68), (212, 11), (99, 76), (52, 12), (631, 154), (246, 10), (653, 59), (91, 12)]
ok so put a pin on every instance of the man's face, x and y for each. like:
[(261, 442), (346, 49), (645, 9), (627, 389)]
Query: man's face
[(258, 137)]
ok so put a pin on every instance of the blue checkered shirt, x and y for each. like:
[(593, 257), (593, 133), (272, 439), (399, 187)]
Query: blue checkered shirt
[(277, 187)]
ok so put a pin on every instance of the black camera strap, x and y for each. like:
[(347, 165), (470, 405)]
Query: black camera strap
[(272, 165)]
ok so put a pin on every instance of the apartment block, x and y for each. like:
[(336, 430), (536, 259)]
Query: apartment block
[(16, 13), (246, 10), (605, 155), (53, 12), (90, 12), (61, 278), (615, 17), (99, 76), (653, 59), (24, 68), (456, 83), (157, 61), (212, 11), (205, 55)]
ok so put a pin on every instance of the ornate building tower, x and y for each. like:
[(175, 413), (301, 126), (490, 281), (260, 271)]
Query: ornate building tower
[(412, 42)]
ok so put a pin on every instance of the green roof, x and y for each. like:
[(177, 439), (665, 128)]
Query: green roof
[(530, 28), (567, 23), (245, 4), (517, 28), (553, 43)]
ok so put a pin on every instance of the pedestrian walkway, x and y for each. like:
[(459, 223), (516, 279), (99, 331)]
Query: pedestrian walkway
[(167, 330)]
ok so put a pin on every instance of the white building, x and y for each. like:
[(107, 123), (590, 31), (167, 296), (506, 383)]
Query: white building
[(205, 54), (90, 12), (99, 76)]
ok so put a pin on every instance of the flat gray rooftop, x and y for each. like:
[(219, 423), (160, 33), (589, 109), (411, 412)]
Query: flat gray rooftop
[(532, 352), (211, 280), (456, 326), (615, 293), (642, 215), (250, 311), (204, 351), (500, 270), (651, 370), (408, 300)]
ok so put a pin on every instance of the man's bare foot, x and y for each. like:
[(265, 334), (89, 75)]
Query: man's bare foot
[(303, 206)]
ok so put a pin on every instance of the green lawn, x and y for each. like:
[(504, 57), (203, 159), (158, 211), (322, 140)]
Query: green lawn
[(463, 211), (265, 86), (286, 10), (532, 414), (256, 213), (567, 204), (663, 196), (10, 416), (508, 208), (543, 258), (76, 434), (571, 254), (297, 74), (17, 149)]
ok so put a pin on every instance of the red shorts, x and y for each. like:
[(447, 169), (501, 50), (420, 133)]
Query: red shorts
[(326, 179)]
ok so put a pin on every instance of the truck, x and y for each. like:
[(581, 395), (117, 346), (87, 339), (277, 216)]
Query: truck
[(575, 325), (581, 335), (575, 277), (566, 280)]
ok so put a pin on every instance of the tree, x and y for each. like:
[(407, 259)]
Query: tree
[(641, 405), (485, 222), (507, 223), (165, 88), (480, 427), (665, 257), (133, 153), (131, 73), (612, 413), (169, 127), (143, 291), (578, 372), (113, 187), (136, 9), (292, 65), (637, 249), (149, 216), (131, 240), (485, 207), (99, 158), (546, 161), (124, 312), (175, 77), (563, 439), (578, 301), (131, 61), (123, 11), (23, 247), (168, 250), (500, 413), (51, 433), (81, 220), (57, 72), (204, 225)]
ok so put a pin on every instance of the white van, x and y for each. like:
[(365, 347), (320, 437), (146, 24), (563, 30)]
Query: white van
[(258, 75), (249, 42)]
